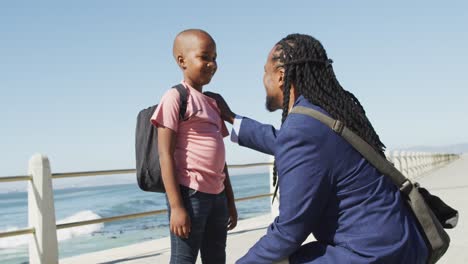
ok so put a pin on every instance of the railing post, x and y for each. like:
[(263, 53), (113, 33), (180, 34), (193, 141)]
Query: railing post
[(388, 155), (426, 162), (397, 160), (409, 164), (417, 164), (275, 204), (434, 160), (404, 163), (43, 248), (421, 163), (412, 165)]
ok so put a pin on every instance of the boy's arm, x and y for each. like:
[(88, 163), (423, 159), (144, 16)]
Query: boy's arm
[(230, 200), (180, 222)]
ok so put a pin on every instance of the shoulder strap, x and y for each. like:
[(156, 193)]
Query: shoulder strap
[(368, 152), (183, 100), (436, 238)]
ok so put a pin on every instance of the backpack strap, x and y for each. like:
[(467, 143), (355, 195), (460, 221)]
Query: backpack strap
[(183, 100)]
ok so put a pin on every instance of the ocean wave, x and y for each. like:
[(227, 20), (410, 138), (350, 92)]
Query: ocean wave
[(133, 206), (12, 242), (62, 234)]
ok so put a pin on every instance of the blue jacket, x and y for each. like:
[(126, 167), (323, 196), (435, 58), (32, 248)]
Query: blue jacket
[(328, 189)]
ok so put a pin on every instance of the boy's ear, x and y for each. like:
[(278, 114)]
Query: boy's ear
[(181, 62)]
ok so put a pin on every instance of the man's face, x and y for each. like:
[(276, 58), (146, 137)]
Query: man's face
[(273, 82)]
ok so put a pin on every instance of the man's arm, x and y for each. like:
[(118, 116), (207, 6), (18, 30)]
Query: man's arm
[(180, 221), (304, 190), (252, 134), (257, 136)]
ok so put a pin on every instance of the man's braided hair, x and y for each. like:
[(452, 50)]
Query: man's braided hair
[(307, 67)]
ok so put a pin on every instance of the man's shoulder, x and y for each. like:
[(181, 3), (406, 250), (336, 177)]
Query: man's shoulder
[(306, 127), (297, 121), (305, 119), (305, 103)]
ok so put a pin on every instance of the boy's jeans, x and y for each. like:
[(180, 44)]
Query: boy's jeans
[(209, 217)]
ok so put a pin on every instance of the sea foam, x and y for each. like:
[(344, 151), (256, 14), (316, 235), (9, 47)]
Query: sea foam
[(62, 234)]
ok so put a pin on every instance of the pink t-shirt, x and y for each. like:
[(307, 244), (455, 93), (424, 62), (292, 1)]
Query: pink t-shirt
[(199, 152)]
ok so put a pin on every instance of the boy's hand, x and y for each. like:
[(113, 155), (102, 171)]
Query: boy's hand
[(232, 216), (226, 113), (180, 223)]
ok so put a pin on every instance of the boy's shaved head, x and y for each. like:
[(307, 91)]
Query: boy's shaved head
[(194, 51), (187, 39)]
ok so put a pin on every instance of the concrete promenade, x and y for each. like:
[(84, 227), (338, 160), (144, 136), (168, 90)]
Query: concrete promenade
[(449, 182), (245, 234)]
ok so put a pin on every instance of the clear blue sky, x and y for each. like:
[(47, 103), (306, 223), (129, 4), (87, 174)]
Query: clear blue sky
[(74, 74)]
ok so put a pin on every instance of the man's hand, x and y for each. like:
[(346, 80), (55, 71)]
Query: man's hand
[(226, 113), (180, 223)]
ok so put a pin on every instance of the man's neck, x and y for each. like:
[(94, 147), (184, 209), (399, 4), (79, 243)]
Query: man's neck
[(292, 98)]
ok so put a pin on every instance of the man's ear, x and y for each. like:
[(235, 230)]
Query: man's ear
[(281, 77)]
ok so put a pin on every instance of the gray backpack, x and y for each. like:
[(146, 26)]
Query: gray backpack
[(148, 169)]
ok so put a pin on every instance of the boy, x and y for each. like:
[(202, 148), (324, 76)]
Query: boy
[(192, 157)]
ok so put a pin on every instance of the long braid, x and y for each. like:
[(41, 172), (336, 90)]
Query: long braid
[(286, 96), (320, 86), (307, 66)]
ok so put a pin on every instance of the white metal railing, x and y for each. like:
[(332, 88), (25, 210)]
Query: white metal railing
[(416, 164), (43, 248), (41, 209), (411, 164)]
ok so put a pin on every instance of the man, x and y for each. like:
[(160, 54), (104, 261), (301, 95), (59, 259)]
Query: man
[(327, 188)]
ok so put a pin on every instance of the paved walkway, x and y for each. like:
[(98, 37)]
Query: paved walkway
[(157, 251), (449, 182)]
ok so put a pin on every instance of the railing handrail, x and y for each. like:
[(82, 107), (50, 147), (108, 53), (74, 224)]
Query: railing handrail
[(61, 175), (16, 178), (113, 218), (18, 232), (127, 171), (41, 211), (111, 172), (139, 215)]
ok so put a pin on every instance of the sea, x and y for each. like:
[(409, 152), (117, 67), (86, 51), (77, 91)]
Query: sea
[(85, 203)]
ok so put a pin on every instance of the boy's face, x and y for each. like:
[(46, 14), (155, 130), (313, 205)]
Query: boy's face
[(199, 63)]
